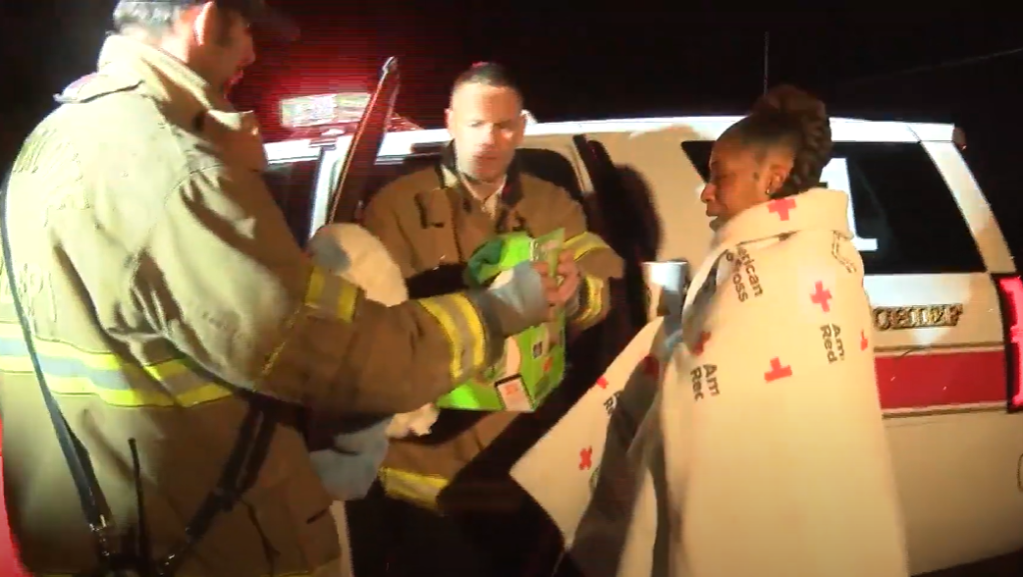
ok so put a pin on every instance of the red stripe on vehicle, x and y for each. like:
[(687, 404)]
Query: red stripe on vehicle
[(915, 381)]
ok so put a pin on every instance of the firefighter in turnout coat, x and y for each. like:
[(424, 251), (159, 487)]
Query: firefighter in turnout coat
[(436, 218), (183, 332)]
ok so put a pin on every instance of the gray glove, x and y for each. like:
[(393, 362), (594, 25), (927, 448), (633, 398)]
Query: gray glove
[(515, 301), (349, 466)]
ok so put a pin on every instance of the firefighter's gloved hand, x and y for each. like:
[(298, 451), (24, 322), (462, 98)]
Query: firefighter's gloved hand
[(349, 465), (413, 424), (350, 450), (330, 246), (521, 297)]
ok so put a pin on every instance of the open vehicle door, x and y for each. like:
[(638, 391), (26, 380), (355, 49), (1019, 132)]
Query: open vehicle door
[(320, 173), (348, 195)]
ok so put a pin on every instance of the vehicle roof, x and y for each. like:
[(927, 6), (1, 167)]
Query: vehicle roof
[(689, 128)]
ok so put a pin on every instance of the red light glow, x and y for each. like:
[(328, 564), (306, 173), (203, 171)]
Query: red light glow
[(1012, 293)]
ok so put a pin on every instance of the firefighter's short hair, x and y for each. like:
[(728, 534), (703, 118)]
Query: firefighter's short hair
[(153, 17), (158, 16), (488, 74)]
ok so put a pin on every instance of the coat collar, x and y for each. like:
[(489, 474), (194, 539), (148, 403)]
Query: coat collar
[(511, 194), (816, 208), (185, 98)]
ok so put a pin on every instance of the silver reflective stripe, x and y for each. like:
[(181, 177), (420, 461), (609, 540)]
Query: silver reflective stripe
[(116, 382)]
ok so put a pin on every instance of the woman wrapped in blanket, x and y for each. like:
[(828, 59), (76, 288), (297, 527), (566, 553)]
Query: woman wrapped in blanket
[(765, 454)]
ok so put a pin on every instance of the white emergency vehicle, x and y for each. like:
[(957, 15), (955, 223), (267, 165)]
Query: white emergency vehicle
[(946, 295)]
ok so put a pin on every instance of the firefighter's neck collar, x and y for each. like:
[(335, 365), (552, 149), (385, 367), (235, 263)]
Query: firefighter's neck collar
[(168, 79), (483, 190), (508, 187), (186, 98)]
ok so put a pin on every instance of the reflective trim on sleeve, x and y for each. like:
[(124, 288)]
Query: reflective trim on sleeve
[(461, 322), (332, 294), (415, 488), (119, 382), (591, 300), (584, 243)]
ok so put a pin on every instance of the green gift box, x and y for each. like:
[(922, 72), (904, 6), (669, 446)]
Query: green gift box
[(533, 363)]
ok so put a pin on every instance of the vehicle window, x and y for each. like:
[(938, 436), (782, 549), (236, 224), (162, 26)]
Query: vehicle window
[(903, 214), (552, 166), (292, 185), (993, 168)]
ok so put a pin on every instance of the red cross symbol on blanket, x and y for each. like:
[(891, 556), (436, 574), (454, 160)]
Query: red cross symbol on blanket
[(821, 296), (863, 340), (699, 344), (602, 382), (585, 458), (650, 366), (781, 207), (777, 371)]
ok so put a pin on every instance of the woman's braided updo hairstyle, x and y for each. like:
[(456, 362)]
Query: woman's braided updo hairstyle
[(787, 116)]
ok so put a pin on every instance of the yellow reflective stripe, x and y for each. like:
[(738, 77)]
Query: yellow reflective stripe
[(416, 488), (592, 300), (120, 382), (461, 322), (584, 243), (332, 294)]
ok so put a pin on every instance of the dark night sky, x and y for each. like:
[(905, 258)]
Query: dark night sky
[(585, 63)]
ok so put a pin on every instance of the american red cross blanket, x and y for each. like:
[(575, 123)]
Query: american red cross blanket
[(762, 452)]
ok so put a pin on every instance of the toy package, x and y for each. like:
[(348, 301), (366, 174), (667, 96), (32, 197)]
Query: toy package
[(533, 363)]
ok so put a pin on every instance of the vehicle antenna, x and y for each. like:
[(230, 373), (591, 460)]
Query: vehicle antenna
[(767, 58)]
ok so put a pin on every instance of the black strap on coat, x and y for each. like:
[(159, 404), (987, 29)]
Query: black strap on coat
[(240, 471)]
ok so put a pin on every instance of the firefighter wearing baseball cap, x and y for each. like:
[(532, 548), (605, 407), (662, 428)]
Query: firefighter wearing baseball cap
[(157, 297)]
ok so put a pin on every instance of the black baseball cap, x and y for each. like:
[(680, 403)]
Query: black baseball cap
[(262, 16)]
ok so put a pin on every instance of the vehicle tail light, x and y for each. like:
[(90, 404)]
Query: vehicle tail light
[(1010, 293), (959, 138)]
